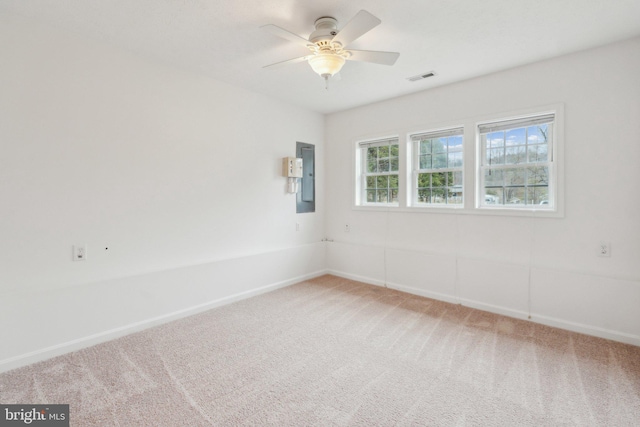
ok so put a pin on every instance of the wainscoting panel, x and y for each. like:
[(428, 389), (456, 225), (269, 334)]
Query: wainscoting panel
[(587, 302), (595, 305), (494, 286), (40, 325), (421, 273)]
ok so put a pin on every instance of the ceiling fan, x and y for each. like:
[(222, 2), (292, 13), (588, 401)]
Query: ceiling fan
[(328, 44)]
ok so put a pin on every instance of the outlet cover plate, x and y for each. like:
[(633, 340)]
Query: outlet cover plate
[(79, 252), (604, 249)]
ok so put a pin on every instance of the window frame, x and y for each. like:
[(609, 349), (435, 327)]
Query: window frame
[(515, 122), (362, 174), (470, 168), (416, 170)]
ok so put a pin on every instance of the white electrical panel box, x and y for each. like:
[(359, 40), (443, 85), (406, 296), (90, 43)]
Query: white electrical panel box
[(292, 167)]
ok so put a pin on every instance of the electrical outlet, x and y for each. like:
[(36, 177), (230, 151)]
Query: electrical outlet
[(347, 228), (604, 249), (79, 252)]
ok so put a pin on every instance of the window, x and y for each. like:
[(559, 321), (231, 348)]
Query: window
[(437, 167), (516, 166), (379, 163), (509, 164)]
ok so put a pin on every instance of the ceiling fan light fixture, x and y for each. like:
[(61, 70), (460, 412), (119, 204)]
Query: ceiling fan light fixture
[(326, 64), (328, 45)]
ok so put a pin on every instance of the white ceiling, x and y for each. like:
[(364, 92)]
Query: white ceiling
[(458, 39)]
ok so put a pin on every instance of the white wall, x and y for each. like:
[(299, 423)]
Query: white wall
[(179, 176), (520, 266), (176, 174)]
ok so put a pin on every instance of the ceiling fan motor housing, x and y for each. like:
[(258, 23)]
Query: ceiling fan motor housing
[(326, 29)]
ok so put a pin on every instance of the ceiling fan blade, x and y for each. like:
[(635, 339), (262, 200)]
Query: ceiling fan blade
[(287, 35), (359, 24), (377, 57), (288, 61)]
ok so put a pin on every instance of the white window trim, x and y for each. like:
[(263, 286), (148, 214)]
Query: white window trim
[(556, 166), (470, 167), (413, 169), (359, 184)]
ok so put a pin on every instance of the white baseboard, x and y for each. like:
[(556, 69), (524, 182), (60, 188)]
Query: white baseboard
[(357, 278), (423, 293), (587, 330), (517, 314), (88, 341)]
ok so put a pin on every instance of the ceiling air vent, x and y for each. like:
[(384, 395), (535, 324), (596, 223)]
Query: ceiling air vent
[(421, 76)]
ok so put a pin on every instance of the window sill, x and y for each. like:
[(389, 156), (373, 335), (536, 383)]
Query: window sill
[(460, 210), (517, 211), (377, 207)]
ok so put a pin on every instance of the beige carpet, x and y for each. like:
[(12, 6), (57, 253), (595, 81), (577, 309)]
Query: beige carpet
[(334, 352)]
